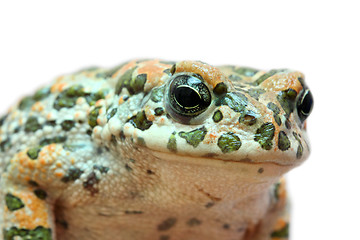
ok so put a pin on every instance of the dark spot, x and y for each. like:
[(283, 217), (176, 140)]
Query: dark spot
[(229, 142), (159, 111), (13, 203), (283, 142), (248, 72), (193, 222), (133, 212), (157, 94), (41, 194), (26, 103), (256, 92), (173, 69), (33, 183), (39, 233), (68, 97), (111, 114), (2, 120), (33, 153), (249, 118), (220, 89), (140, 121), (122, 135), (226, 226), (32, 124), (218, 116), (209, 204), (48, 141), (167, 224), (134, 85), (277, 191), (194, 137), (171, 145), (92, 98), (235, 100), (51, 123), (288, 124), (276, 110), (262, 78), (300, 148), (64, 224), (164, 237), (282, 233), (91, 180), (150, 172), (5, 144), (128, 168), (72, 175), (93, 115), (101, 169), (264, 135), (67, 125), (286, 99), (41, 94), (113, 139), (261, 170)]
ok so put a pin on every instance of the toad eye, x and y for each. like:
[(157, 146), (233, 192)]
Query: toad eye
[(188, 96), (304, 105)]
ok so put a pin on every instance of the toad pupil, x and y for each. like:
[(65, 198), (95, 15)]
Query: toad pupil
[(187, 97)]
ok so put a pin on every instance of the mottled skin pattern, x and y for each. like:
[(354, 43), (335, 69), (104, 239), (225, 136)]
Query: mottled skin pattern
[(107, 154)]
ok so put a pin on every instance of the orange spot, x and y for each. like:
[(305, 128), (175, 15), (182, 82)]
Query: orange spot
[(37, 107), (59, 174), (39, 212)]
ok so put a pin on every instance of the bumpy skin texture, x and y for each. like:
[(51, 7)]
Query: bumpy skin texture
[(107, 154)]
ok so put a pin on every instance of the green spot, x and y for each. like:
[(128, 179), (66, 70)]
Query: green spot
[(26, 103), (236, 101), (267, 75), (194, 137), (282, 233), (111, 114), (256, 92), (140, 121), (159, 111), (5, 144), (229, 142), (220, 89), (141, 141), (172, 142), (300, 148), (13, 203), (286, 99), (41, 94), (218, 116), (157, 94), (264, 135), (72, 175), (283, 142), (67, 125), (248, 72), (101, 169), (273, 107), (32, 125), (193, 222), (92, 98), (39, 233), (2, 120), (41, 194), (33, 153), (250, 118), (68, 97), (93, 115), (133, 84), (48, 141), (167, 224)]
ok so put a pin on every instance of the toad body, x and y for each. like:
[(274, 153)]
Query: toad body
[(153, 150)]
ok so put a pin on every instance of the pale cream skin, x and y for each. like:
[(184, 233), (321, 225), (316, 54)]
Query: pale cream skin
[(115, 154)]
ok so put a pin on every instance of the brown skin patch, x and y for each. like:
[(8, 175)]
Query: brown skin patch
[(211, 75)]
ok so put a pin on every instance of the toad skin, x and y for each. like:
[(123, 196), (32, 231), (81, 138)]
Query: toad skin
[(153, 150)]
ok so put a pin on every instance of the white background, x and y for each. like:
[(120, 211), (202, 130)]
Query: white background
[(40, 40)]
